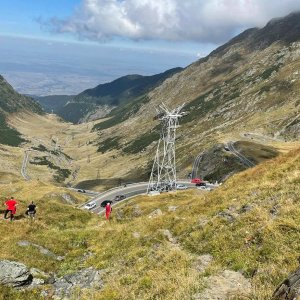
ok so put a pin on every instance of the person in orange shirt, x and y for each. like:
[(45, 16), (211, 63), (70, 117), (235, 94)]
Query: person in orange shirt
[(11, 206)]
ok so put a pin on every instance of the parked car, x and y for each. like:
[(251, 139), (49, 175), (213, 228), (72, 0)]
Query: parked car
[(181, 187), (201, 184), (196, 180), (103, 203), (120, 197), (90, 205), (81, 191)]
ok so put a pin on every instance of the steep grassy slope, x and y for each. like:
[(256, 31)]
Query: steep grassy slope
[(11, 102), (99, 101), (249, 225), (249, 85)]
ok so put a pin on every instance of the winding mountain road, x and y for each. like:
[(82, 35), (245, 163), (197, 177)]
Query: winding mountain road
[(196, 164), (243, 159), (129, 191)]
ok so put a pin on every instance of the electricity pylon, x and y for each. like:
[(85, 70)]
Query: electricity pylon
[(163, 174)]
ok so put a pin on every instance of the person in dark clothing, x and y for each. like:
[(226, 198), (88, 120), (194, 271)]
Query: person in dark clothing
[(11, 206), (31, 210)]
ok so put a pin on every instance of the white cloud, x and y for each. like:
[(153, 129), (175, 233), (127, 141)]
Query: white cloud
[(173, 20)]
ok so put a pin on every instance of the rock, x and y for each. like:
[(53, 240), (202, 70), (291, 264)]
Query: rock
[(245, 208), (68, 199), (86, 278), (230, 218), (169, 236), (225, 285), (136, 235), (155, 213), (203, 262), (203, 221), (274, 210), (36, 273), (137, 212), (36, 282), (119, 214), (14, 274), (41, 249), (289, 289), (172, 208)]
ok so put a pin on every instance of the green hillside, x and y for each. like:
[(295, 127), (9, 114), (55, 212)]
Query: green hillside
[(12, 102)]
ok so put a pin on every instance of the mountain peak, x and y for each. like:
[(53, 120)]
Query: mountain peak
[(285, 29)]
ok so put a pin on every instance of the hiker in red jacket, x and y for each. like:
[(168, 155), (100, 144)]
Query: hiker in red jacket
[(108, 210), (11, 206)]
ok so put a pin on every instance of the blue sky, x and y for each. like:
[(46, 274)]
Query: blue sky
[(18, 17), (125, 36)]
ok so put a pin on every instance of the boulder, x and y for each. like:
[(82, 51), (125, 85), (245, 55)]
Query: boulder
[(172, 208), (85, 278), (155, 213), (227, 216), (245, 208), (169, 236), (137, 212), (14, 274), (136, 234), (202, 262), (224, 285), (41, 249), (289, 289)]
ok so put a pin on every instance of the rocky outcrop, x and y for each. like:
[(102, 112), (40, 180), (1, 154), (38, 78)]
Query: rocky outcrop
[(42, 250), (172, 208), (14, 274), (85, 278), (225, 285), (155, 213), (203, 262), (289, 289)]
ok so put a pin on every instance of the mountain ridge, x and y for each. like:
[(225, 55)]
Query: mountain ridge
[(98, 102)]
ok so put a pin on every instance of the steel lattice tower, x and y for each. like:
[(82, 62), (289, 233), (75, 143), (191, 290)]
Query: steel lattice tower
[(163, 174)]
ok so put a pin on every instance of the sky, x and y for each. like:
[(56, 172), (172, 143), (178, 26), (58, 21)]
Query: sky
[(65, 46)]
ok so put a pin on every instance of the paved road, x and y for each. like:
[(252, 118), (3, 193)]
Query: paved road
[(129, 191), (242, 158), (196, 164)]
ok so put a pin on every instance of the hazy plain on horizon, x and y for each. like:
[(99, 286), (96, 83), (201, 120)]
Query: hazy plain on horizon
[(45, 67)]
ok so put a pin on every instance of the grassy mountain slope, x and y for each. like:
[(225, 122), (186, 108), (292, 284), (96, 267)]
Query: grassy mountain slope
[(109, 95), (247, 89), (12, 102), (249, 225)]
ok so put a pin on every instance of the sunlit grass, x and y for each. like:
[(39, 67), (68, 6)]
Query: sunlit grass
[(139, 259)]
